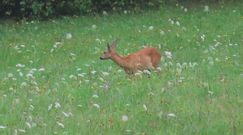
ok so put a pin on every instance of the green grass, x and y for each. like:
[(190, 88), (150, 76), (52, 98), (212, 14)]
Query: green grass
[(204, 99)]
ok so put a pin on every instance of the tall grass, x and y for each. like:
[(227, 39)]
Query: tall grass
[(52, 81)]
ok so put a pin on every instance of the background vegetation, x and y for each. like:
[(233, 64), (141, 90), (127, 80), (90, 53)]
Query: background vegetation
[(50, 8), (52, 81)]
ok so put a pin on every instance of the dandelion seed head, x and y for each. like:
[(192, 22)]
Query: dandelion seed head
[(124, 118)]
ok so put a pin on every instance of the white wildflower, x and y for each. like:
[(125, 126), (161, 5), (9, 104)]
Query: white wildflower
[(177, 23), (29, 75), (93, 72), (21, 130), (57, 105), (185, 10), (49, 107), (95, 96), (105, 73), (10, 75), (28, 125), (56, 44), (23, 46), (162, 32), (119, 70), (21, 74), (41, 69), (20, 65), (2, 127), (171, 21), (105, 13), (23, 84), (206, 8), (124, 118), (147, 72), (203, 37), (81, 75), (96, 105), (145, 107), (94, 26), (210, 92), (72, 54), (72, 76), (60, 124), (171, 115), (151, 27), (168, 54), (31, 107), (69, 36), (67, 114)]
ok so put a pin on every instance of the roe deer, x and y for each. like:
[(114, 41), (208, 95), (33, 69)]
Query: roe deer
[(144, 59)]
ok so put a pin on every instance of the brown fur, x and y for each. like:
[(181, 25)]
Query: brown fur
[(144, 59)]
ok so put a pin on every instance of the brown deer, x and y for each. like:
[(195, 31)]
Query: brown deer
[(144, 59)]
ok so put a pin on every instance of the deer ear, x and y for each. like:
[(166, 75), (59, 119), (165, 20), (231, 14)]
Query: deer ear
[(113, 44), (108, 46)]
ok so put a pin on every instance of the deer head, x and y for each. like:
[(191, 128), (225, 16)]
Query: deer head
[(110, 51)]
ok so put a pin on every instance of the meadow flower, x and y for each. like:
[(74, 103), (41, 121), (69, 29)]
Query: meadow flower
[(147, 72), (10, 75), (105, 73), (28, 124), (206, 8), (210, 92), (96, 105), (81, 75), (78, 69), (185, 10), (171, 21), (20, 65), (104, 13), (72, 77), (2, 127), (67, 114), (145, 107), (168, 54), (139, 72), (56, 44), (72, 54), (41, 69), (57, 105), (162, 32), (60, 124), (177, 23), (94, 26), (151, 27), (95, 96), (69, 36), (21, 130), (202, 37), (93, 72), (124, 118), (21, 74), (171, 115), (30, 76)]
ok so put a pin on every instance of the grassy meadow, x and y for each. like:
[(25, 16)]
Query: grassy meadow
[(52, 81)]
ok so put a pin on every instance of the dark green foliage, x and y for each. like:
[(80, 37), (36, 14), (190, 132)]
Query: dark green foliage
[(50, 8)]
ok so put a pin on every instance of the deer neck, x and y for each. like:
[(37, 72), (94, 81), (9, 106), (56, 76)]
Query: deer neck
[(119, 60)]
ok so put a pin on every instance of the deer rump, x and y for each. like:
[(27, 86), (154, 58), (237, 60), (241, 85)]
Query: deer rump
[(145, 59)]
